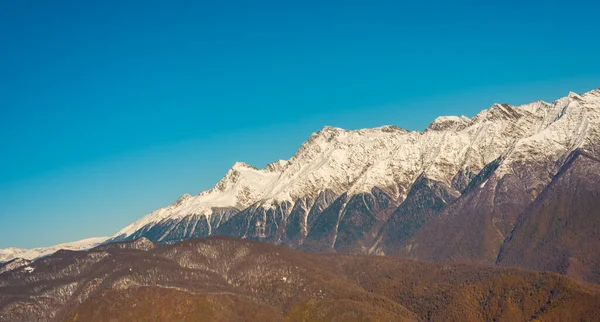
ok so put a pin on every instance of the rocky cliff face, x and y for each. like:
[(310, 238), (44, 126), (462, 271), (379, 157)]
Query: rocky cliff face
[(453, 192)]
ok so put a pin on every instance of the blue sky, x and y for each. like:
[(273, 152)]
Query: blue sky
[(111, 109)]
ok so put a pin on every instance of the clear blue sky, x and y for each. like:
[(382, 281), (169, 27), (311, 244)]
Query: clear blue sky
[(110, 110)]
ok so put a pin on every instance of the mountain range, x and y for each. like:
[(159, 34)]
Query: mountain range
[(468, 220), (513, 185)]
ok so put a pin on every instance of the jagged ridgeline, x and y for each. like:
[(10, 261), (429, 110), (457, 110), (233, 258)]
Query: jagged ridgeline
[(463, 189)]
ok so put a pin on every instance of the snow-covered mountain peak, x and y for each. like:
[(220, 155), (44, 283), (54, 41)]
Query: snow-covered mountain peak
[(183, 198), (330, 130), (326, 133), (592, 95), (573, 95), (242, 166), (391, 128), (391, 158), (556, 130), (242, 186), (277, 166), (449, 123), (535, 107), (245, 182), (498, 113)]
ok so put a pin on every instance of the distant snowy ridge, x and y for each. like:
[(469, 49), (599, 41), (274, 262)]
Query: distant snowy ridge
[(391, 158), (11, 253)]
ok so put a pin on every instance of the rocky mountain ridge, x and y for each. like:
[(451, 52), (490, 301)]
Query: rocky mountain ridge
[(455, 191), (452, 192)]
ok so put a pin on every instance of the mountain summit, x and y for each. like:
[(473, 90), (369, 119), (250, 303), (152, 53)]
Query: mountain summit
[(452, 192)]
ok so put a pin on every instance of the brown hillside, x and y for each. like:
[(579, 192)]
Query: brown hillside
[(560, 232), (221, 279)]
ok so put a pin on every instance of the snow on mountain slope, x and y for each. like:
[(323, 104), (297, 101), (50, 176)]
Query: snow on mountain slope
[(241, 186), (355, 161), (13, 264), (569, 123), (8, 254)]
